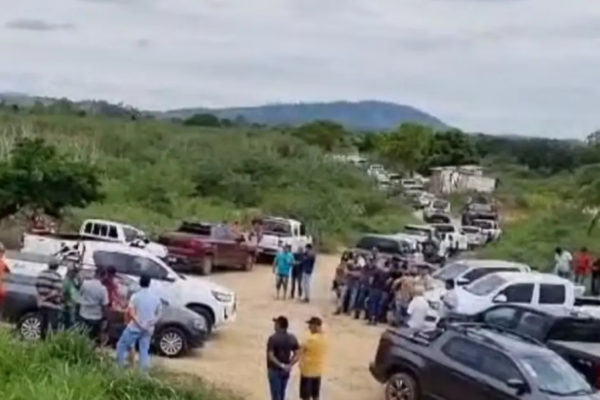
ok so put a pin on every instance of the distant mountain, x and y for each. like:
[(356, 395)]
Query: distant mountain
[(363, 115)]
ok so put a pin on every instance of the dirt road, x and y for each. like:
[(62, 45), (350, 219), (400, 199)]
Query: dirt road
[(235, 356)]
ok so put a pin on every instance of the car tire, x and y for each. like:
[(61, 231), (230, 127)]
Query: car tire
[(401, 386), (207, 265), (171, 342), (206, 316), (249, 264), (30, 325)]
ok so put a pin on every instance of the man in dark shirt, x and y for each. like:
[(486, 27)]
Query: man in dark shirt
[(363, 287), (308, 266), (297, 274), (377, 291), (49, 296), (282, 354)]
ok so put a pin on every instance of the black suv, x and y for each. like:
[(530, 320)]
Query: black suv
[(473, 362)]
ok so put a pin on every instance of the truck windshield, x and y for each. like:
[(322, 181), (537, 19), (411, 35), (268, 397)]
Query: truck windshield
[(277, 227), (555, 376), (451, 271), (440, 204), (485, 285), (484, 224), (470, 230)]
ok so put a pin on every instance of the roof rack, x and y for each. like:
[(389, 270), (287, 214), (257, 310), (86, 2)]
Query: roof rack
[(470, 329)]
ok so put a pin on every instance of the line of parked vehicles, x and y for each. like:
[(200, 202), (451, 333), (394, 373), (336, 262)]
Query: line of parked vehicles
[(194, 306)]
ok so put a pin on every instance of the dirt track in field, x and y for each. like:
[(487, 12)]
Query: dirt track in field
[(235, 356)]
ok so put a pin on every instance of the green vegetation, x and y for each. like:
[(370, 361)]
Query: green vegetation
[(154, 174), (68, 367)]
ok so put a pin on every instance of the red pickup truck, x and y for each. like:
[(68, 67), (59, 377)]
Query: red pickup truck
[(201, 246)]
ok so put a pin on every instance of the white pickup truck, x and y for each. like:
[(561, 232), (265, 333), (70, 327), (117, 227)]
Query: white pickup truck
[(92, 229), (542, 291), (277, 232), (214, 303)]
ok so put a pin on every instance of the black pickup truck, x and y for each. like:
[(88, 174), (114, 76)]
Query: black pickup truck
[(177, 331), (574, 336), (473, 362)]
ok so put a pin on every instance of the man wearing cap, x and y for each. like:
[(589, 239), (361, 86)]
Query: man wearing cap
[(312, 357), (282, 354)]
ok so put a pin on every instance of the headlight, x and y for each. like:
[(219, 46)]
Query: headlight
[(199, 324), (222, 297)]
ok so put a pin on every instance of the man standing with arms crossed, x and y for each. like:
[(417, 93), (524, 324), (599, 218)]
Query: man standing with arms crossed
[(312, 357), (282, 354)]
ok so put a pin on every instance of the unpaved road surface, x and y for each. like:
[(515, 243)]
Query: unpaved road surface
[(235, 356)]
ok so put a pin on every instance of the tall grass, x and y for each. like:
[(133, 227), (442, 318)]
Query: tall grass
[(156, 173), (67, 367)]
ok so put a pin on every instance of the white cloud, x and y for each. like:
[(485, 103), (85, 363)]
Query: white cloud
[(524, 66)]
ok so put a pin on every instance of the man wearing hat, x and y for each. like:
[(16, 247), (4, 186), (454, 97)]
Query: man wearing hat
[(282, 354), (312, 357)]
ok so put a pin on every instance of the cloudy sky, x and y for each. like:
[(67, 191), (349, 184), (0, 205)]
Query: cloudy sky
[(499, 66)]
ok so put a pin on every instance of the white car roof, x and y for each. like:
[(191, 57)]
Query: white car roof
[(415, 226), (494, 264), (532, 277)]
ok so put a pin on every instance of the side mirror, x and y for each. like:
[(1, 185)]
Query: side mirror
[(501, 298), (518, 385), (462, 282)]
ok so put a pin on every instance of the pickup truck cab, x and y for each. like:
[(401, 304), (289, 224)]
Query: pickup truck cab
[(277, 232), (475, 236), (574, 336), (473, 362), (435, 208), (411, 184), (389, 246), (543, 291), (92, 230), (200, 246), (215, 304), (458, 240)]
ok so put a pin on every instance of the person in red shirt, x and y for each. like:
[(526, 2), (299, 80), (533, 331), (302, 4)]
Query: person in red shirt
[(583, 266)]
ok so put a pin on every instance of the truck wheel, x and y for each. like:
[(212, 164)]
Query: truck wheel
[(207, 265), (250, 261), (401, 386), (171, 342), (30, 326)]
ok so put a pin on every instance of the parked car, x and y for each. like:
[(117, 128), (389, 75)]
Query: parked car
[(473, 362), (411, 184), (489, 227), (177, 331), (458, 240), (420, 230), (200, 246), (215, 304), (545, 291), (475, 236), (437, 207), (92, 230), (388, 245), (277, 232), (574, 336), (475, 211)]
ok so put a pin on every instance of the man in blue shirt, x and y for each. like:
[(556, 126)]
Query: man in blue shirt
[(308, 266), (144, 308), (282, 267)]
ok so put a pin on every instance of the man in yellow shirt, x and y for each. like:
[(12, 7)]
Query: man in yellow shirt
[(312, 358)]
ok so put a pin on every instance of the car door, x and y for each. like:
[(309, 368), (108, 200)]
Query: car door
[(504, 316), (519, 293)]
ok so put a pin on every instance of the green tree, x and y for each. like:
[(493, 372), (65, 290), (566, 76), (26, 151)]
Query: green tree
[(204, 119), (452, 147), (36, 176), (408, 146), (325, 134)]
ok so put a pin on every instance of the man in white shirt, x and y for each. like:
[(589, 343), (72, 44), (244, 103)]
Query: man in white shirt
[(417, 309), (562, 263)]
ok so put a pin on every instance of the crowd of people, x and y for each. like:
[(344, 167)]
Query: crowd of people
[(583, 268), (384, 290), (93, 304)]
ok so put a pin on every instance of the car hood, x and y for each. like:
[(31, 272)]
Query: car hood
[(469, 304), (194, 284)]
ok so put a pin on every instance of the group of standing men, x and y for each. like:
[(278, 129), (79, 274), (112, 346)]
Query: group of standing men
[(298, 267), (87, 304), (583, 268), (374, 286)]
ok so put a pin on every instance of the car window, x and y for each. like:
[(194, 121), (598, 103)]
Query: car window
[(303, 230), (88, 228), (130, 234), (103, 230), (96, 230), (481, 359), (112, 232), (146, 266), (555, 376), (486, 285), (450, 271), (518, 293), (130, 264), (502, 316), (552, 294), (532, 324), (477, 273)]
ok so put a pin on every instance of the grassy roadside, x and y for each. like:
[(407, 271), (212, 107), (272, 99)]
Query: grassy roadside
[(69, 368)]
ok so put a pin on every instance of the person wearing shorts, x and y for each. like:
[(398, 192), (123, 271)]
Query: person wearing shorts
[(282, 267), (312, 357)]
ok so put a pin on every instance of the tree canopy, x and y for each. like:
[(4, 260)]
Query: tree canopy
[(325, 134)]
